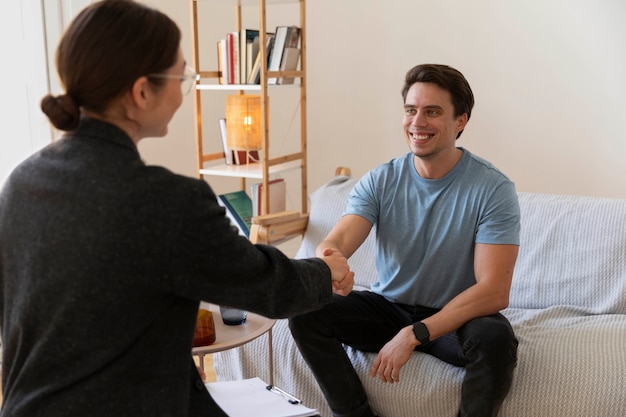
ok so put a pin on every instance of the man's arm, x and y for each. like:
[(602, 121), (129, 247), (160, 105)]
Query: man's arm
[(345, 238), (493, 267)]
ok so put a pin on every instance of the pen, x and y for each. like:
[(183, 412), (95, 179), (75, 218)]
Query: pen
[(290, 398)]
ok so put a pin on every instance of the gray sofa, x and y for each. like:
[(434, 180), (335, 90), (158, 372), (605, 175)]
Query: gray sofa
[(568, 309)]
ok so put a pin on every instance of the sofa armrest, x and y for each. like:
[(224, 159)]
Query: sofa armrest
[(275, 228)]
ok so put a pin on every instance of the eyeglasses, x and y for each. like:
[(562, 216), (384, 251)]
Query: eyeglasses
[(187, 80)]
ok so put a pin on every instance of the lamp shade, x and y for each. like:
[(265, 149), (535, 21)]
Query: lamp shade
[(243, 122)]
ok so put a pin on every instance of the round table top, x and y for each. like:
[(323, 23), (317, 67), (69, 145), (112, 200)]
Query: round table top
[(228, 337)]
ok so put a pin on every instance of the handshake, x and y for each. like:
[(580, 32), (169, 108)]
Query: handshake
[(343, 278)]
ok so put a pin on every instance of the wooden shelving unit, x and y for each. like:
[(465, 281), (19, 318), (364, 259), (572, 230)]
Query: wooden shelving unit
[(209, 163)]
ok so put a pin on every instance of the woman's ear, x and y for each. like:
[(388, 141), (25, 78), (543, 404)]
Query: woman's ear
[(140, 92)]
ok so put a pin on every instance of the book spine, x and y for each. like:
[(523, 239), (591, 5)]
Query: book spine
[(277, 197), (235, 57), (291, 56), (219, 61), (231, 58), (228, 153), (233, 214), (277, 51), (246, 42), (256, 199)]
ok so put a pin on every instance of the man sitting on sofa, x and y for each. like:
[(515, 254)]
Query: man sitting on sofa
[(447, 236)]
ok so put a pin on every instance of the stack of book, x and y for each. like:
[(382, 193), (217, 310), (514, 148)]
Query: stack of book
[(239, 58)]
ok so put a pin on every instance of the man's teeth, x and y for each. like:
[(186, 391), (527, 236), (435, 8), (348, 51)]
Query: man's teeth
[(421, 137)]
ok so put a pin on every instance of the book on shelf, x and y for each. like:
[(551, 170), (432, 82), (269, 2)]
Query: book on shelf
[(232, 45), (252, 50), (222, 61), (238, 207), (228, 153), (255, 72), (239, 59), (290, 59), (245, 157), (247, 51), (286, 37), (277, 197)]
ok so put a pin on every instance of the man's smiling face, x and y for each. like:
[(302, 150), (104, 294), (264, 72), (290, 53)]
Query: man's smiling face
[(430, 125)]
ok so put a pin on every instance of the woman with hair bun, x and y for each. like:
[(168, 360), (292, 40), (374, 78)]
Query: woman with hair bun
[(104, 259)]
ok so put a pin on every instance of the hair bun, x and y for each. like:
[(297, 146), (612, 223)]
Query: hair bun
[(62, 111)]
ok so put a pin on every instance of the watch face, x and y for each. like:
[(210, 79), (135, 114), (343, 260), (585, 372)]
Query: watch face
[(421, 332)]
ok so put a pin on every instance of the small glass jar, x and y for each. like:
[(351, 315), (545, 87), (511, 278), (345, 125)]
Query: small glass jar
[(204, 334)]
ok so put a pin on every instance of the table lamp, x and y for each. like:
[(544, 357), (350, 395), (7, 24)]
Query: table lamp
[(243, 123)]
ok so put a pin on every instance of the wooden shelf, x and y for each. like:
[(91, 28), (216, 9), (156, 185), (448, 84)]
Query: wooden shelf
[(248, 2), (211, 164), (250, 171), (241, 87)]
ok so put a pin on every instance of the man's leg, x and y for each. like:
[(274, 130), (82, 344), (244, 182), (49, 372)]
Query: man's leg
[(363, 320), (490, 348), (487, 348)]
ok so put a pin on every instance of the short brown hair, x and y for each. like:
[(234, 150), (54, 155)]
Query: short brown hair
[(448, 79), (105, 49)]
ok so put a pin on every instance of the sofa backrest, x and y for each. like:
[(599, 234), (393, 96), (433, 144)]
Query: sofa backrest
[(327, 203), (573, 249), (572, 252)]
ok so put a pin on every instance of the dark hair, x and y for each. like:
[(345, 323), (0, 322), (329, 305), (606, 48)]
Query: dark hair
[(104, 50), (447, 78)]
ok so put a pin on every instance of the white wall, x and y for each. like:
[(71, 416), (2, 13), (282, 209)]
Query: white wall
[(548, 78)]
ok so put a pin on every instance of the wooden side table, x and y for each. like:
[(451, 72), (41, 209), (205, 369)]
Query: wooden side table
[(228, 337)]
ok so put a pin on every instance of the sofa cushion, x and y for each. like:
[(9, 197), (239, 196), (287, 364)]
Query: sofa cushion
[(569, 363), (572, 253)]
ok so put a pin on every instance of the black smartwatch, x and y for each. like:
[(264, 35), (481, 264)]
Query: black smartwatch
[(421, 332)]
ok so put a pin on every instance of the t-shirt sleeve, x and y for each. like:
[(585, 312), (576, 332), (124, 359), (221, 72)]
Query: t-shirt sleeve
[(363, 199), (500, 223)]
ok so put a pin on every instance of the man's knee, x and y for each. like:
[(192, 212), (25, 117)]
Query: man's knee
[(492, 334)]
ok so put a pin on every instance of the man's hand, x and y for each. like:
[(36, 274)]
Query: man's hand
[(394, 355), (344, 286), (343, 278)]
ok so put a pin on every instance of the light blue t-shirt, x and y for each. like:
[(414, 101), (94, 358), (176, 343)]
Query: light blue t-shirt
[(426, 229)]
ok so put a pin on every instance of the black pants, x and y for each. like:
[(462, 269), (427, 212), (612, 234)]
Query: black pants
[(485, 346)]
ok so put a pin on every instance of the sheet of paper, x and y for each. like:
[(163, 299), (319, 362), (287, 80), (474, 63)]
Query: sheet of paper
[(250, 397)]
